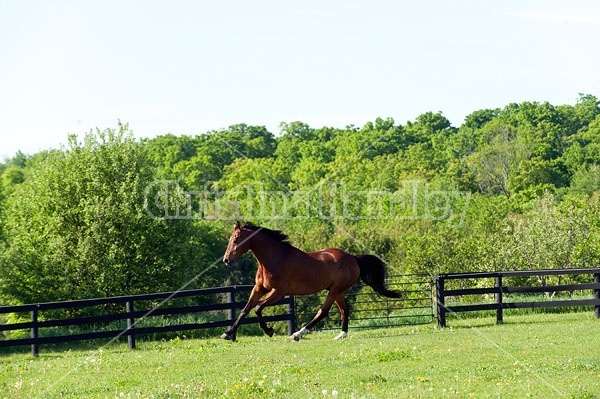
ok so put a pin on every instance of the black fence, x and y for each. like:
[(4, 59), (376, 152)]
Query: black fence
[(587, 280), (370, 310), (133, 315), (135, 312)]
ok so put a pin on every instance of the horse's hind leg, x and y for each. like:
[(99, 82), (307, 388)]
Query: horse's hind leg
[(321, 314), (273, 297), (342, 305)]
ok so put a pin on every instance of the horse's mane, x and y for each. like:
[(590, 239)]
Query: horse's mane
[(274, 234)]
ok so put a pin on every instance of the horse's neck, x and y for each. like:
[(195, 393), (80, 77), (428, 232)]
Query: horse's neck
[(266, 250)]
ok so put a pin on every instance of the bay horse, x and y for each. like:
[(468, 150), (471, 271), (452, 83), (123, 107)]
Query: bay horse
[(285, 270)]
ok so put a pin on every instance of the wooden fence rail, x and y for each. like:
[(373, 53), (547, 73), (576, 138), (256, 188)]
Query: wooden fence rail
[(135, 308), (132, 316), (370, 310), (134, 311), (499, 289)]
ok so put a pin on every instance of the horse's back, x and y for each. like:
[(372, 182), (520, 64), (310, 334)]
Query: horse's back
[(332, 256), (341, 266), (303, 273)]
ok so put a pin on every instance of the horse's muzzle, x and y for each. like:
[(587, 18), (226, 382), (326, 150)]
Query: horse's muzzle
[(228, 261)]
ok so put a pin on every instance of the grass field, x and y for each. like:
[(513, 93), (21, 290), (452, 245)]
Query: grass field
[(530, 356)]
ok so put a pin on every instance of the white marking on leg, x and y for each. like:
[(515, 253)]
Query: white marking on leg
[(341, 335), (298, 334)]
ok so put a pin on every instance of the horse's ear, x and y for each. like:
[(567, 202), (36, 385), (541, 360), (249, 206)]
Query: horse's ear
[(237, 225)]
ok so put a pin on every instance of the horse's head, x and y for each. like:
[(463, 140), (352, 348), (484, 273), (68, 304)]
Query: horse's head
[(238, 244)]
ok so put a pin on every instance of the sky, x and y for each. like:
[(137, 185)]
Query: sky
[(189, 67)]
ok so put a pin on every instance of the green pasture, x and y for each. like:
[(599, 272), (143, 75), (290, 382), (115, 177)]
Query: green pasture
[(530, 356)]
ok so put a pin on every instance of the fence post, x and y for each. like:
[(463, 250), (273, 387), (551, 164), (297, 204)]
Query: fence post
[(35, 350), (597, 295), (441, 306), (291, 311), (231, 301), (498, 286), (130, 324)]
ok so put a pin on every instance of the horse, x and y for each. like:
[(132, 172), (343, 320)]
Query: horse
[(286, 270)]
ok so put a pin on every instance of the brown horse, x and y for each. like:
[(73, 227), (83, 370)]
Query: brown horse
[(285, 270)]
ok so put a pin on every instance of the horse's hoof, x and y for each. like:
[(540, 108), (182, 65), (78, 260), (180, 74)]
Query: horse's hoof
[(341, 335), (270, 331), (228, 337), (295, 337)]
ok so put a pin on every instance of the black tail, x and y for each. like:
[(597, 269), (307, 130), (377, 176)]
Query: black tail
[(372, 272)]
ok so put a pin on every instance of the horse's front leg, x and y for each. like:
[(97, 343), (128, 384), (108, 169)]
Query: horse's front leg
[(255, 295), (273, 297)]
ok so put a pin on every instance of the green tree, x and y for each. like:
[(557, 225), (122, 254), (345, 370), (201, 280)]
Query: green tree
[(478, 119), (586, 180), (495, 161), (425, 126), (167, 151), (545, 237), (585, 147), (9, 180), (78, 228)]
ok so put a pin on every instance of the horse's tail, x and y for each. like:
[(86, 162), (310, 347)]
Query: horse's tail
[(372, 272)]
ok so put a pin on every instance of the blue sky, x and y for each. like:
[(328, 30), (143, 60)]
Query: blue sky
[(188, 67)]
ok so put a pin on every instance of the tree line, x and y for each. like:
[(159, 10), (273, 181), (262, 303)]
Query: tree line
[(108, 214)]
